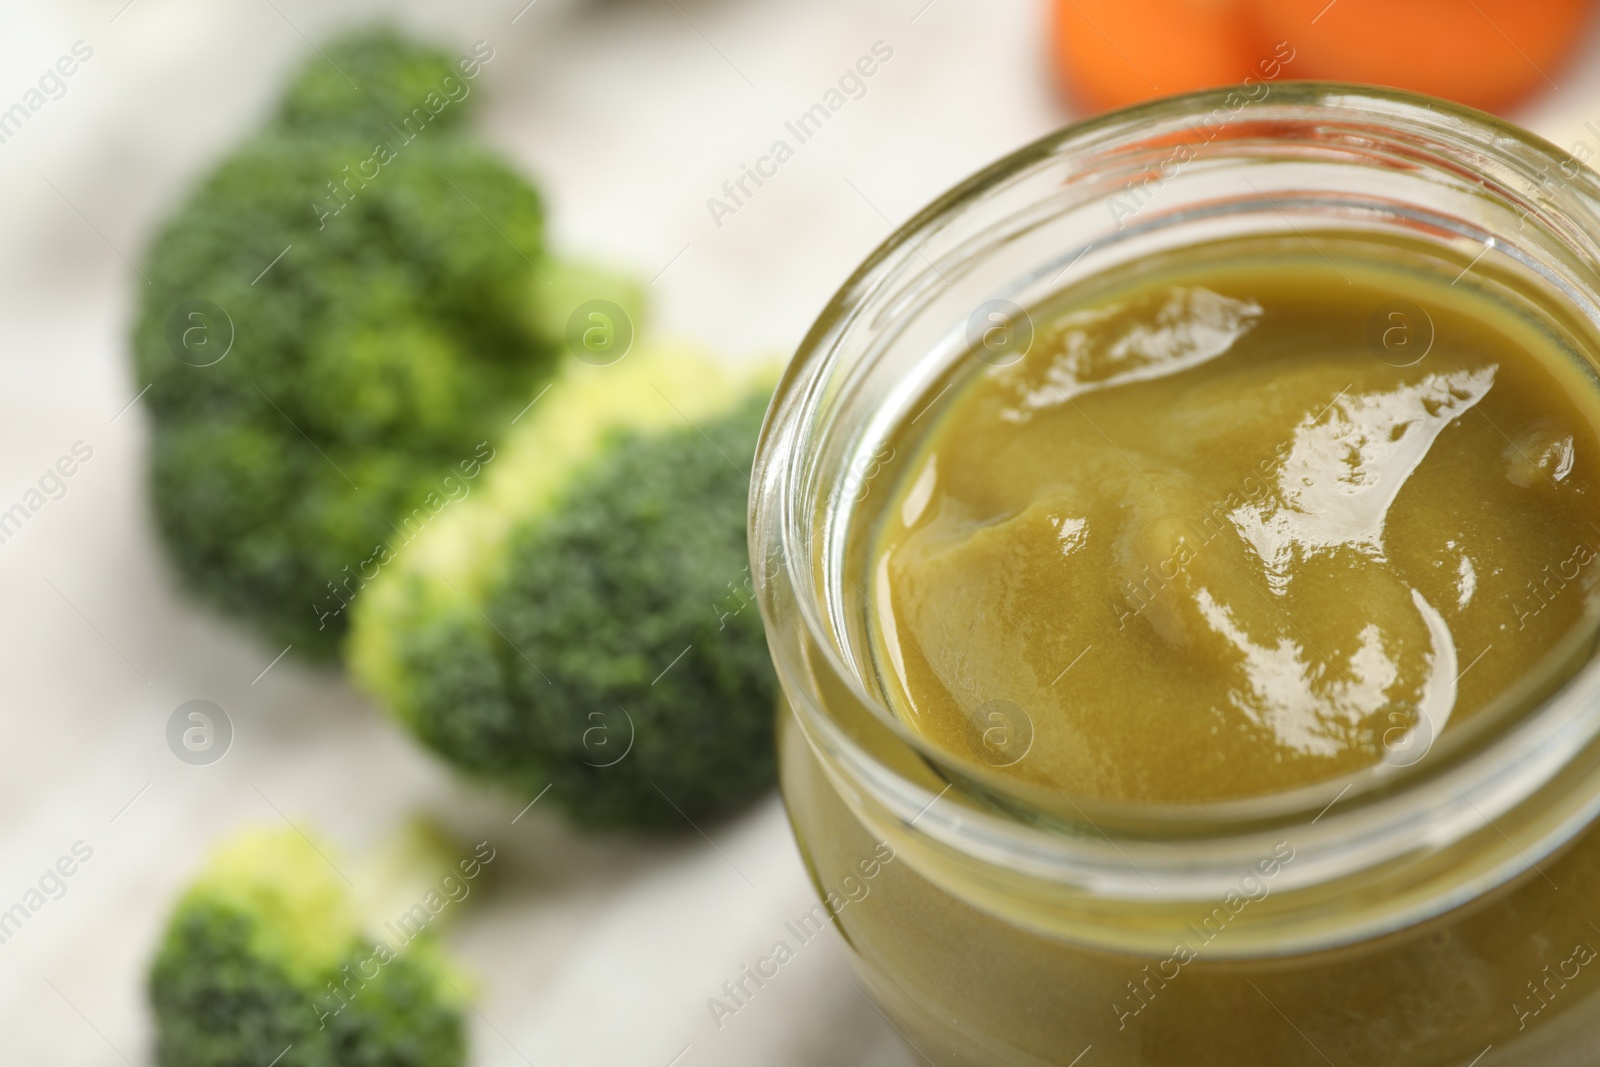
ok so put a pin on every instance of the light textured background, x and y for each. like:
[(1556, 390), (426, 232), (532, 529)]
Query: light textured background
[(629, 115)]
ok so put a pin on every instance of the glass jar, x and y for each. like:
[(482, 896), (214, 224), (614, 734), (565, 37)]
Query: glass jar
[(1445, 911)]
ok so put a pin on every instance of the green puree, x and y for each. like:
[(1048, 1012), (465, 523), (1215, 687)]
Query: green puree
[(1210, 539)]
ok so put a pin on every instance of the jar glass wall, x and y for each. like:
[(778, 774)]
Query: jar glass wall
[(1417, 914)]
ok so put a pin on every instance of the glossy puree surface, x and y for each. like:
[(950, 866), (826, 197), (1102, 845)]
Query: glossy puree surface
[(1238, 522)]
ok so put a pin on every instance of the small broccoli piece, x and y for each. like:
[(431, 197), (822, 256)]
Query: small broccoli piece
[(264, 957), (382, 284), (378, 77), (585, 621)]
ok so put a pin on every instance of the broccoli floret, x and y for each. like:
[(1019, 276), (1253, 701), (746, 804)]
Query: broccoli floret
[(585, 622), (338, 317), (378, 77), (264, 957)]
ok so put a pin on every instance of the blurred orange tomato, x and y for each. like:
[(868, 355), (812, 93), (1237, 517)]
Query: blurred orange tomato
[(1486, 53)]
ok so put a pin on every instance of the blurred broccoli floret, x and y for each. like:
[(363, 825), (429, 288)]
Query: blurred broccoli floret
[(586, 621), (379, 77), (352, 304), (264, 957)]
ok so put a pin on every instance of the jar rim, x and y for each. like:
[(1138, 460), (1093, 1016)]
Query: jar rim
[(1459, 795)]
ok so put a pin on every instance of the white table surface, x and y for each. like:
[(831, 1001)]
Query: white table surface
[(630, 114)]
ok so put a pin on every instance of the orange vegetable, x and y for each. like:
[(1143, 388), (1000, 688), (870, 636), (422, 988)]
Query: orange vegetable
[(1111, 53), (1487, 53)]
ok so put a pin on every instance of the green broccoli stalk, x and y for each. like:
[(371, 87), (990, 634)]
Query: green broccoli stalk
[(584, 621), (265, 960), (339, 322)]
